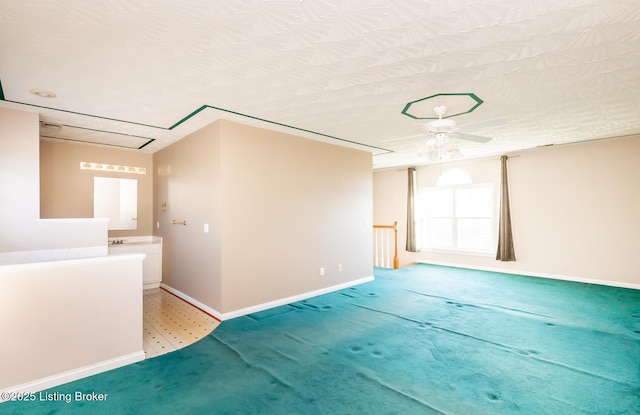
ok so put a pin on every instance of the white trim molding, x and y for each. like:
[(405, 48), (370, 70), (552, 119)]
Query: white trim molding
[(571, 278), (192, 301), (264, 306), (75, 374)]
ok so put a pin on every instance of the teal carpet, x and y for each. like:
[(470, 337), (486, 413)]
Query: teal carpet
[(419, 340)]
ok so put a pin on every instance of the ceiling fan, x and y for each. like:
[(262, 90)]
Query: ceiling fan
[(440, 131)]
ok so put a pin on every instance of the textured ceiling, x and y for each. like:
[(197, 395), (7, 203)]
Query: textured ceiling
[(143, 74)]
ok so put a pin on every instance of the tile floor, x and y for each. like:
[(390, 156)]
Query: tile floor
[(171, 323)]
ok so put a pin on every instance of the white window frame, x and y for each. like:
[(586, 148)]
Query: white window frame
[(422, 217)]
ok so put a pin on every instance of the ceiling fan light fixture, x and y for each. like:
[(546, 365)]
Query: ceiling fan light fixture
[(439, 132), (442, 124), (441, 137)]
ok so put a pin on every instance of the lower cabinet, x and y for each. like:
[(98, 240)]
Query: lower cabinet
[(152, 264)]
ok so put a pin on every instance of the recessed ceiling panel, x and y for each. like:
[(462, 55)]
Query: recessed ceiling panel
[(91, 136)]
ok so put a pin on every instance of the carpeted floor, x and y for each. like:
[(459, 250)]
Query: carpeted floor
[(419, 340)]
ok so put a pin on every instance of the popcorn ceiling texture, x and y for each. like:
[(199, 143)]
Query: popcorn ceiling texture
[(549, 72)]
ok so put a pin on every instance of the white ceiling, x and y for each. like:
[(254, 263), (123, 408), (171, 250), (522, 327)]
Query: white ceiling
[(143, 74)]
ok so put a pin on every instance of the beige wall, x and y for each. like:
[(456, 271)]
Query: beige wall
[(22, 228), (278, 207), (187, 179), (574, 210), (67, 319), (67, 192), (101, 297), (291, 206), (19, 192)]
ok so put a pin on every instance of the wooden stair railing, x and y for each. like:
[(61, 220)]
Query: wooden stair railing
[(382, 240)]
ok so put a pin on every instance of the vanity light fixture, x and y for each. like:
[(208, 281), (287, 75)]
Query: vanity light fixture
[(84, 165)]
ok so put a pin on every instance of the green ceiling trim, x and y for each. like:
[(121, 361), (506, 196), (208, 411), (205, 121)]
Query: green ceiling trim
[(191, 115), (278, 124), (149, 140), (92, 142), (471, 95)]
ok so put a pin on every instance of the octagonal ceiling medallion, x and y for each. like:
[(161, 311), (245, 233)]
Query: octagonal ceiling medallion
[(456, 103)]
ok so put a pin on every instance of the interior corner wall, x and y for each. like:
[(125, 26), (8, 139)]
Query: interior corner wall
[(278, 208), (67, 192), (574, 210), (22, 228), (19, 178), (186, 181), (291, 206)]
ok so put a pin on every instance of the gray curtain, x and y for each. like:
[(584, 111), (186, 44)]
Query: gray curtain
[(505, 238), (411, 215)]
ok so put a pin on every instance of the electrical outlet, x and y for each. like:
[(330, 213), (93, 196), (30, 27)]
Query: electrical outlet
[(322, 271), (339, 267)]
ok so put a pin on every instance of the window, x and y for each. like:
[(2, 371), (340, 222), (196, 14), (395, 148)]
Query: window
[(457, 217)]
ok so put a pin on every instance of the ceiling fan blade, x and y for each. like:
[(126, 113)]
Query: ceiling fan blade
[(423, 151), (471, 137), (498, 122), (455, 153), (426, 128), (407, 137)]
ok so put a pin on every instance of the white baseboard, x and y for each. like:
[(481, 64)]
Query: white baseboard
[(150, 285), (295, 298), (192, 301), (537, 274), (264, 306), (70, 376)]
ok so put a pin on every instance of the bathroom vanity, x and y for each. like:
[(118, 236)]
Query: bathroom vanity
[(149, 245)]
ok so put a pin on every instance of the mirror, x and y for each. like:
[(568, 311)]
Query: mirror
[(116, 199)]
